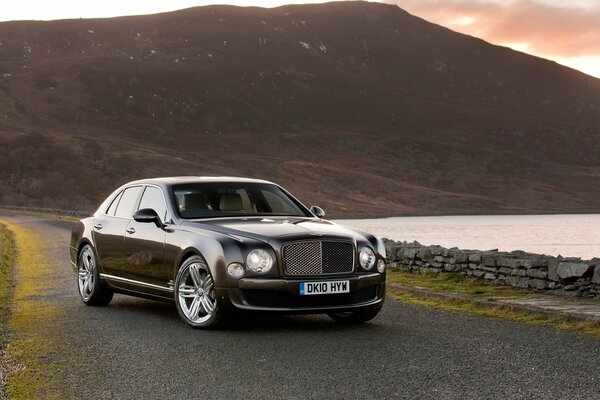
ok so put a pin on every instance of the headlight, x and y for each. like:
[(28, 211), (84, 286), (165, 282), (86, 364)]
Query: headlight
[(366, 258), (381, 266), (259, 261), (235, 270)]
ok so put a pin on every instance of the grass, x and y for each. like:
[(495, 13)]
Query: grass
[(7, 255), (31, 319), (457, 283), (469, 288)]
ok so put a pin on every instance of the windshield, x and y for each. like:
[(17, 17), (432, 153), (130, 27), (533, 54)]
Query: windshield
[(227, 199)]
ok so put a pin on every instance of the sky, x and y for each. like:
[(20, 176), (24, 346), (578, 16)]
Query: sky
[(566, 31)]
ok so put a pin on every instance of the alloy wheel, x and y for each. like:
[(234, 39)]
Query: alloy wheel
[(196, 293), (86, 270)]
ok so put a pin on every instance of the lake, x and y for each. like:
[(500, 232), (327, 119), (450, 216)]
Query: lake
[(568, 235)]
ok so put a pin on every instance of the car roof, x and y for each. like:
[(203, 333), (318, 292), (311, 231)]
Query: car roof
[(176, 180), (166, 182)]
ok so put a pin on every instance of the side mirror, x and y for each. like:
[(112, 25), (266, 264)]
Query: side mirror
[(317, 211), (146, 215)]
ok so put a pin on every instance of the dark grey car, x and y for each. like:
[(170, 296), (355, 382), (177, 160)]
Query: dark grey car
[(220, 245)]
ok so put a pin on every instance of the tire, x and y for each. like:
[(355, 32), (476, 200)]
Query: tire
[(354, 317), (195, 296), (91, 290)]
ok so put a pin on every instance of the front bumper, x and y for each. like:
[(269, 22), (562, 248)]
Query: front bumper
[(282, 295)]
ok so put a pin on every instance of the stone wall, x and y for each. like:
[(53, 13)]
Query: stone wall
[(56, 211), (565, 276)]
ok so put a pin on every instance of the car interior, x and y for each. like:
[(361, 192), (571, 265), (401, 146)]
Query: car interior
[(199, 202)]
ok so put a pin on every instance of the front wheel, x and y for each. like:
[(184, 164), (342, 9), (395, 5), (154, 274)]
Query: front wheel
[(195, 295), (354, 317), (91, 290)]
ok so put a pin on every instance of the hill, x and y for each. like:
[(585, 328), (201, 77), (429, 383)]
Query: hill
[(359, 107)]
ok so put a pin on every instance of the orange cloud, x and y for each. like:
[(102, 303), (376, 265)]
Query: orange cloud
[(549, 28)]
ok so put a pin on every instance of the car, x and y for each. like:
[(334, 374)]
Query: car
[(216, 246)]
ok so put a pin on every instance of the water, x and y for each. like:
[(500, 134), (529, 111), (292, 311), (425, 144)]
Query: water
[(567, 235)]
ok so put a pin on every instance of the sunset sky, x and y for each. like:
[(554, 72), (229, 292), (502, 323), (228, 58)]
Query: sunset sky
[(567, 31)]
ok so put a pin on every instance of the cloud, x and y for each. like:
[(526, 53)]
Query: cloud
[(548, 28)]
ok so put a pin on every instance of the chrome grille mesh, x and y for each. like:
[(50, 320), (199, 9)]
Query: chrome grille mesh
[(318, 257)]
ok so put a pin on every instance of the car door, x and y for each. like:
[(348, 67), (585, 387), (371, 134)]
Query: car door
[(145, 244), (109, 230)]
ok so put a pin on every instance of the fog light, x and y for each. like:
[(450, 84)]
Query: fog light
[(381, 266), (235, 270)]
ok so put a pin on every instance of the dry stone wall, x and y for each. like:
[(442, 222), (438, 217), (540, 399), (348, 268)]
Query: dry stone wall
[(567, 276)]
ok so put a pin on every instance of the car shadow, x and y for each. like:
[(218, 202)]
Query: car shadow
[(292, 323), (237, 322)]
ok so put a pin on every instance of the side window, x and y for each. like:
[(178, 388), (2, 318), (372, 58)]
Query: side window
[(113, 205), (128, 202), (153, 198)]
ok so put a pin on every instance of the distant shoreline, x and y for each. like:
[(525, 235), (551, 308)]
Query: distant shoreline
[(575, 235), (459, 214)]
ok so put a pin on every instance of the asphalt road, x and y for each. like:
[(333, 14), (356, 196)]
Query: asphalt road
[(140, 349)]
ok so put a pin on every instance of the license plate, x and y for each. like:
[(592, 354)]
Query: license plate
[(328, 287)]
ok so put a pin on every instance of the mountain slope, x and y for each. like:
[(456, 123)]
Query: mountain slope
[(359, 107)]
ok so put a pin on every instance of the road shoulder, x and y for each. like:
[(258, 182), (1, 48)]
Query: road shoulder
[(452, 292), (30, 332)]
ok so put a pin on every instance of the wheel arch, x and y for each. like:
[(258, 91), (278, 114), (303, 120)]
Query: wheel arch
[(84, 242), (87, 242), (187, 253), (212, 253), (217, 251)]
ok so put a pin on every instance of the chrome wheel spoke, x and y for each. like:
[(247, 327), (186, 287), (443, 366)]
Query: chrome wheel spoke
[(207, 285), (194, 308), (86, 262), (195, 274), (207, 305), (187, 291)]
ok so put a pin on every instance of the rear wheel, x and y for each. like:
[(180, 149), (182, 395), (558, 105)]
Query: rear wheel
[(195, 295), (354, 317), (91, 290)]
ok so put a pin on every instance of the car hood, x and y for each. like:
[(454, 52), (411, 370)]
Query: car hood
[(279, 229)]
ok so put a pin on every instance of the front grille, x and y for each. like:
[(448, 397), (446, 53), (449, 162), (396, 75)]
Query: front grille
[(265, 298), (318, 257)]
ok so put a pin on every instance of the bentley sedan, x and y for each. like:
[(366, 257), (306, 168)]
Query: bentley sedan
[(216, 246)]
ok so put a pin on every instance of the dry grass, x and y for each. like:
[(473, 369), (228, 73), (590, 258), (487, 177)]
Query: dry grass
[(455, 283), (6, 260), (7, 254), (30, 320)]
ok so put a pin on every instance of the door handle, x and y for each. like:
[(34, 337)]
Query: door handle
[(98, 226), (130, 230)]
